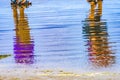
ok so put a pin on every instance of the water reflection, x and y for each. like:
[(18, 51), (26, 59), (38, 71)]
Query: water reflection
[(23, 44), (4, 56), (95, 31)]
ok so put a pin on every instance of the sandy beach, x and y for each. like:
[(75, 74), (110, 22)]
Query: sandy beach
[(23, 74)]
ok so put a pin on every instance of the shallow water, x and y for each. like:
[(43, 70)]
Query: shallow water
[(57, 35)]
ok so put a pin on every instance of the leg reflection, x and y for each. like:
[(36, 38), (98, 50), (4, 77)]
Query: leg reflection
[(23, 44), (95, 31)]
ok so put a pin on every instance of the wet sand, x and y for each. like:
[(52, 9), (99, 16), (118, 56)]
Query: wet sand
[(36, 74)]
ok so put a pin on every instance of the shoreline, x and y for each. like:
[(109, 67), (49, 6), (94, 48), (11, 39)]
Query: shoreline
[(16, 74)]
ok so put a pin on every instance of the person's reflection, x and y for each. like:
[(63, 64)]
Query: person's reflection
[(95, 30), (23, 44)]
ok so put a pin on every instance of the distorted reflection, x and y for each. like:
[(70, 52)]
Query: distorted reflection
[(95, 31), (4, 56), (23, 44)]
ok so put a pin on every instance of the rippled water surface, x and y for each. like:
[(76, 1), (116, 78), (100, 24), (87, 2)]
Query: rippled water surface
[(60, 35)]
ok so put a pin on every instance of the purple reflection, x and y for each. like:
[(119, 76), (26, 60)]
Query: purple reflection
[(23, 44), (23, 52)]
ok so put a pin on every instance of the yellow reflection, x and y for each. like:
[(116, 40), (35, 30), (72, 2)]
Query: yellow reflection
[(100, 53), (4, 56), (23, 45)]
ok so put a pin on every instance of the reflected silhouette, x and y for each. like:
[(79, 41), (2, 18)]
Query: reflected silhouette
[(95, 31), (23, 44)]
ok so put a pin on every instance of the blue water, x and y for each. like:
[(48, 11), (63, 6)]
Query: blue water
[(54, 34)]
